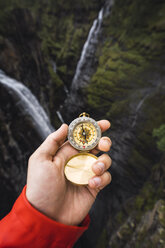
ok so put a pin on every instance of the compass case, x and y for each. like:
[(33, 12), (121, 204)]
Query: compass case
[(78, 169), (72, 127)]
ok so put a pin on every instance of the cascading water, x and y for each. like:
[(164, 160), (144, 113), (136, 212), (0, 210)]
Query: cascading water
[(138, 109), (28, 104), (85, 67), (60, 116), (89, 49)]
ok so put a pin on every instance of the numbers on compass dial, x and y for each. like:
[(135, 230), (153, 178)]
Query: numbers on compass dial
[(85, 135)]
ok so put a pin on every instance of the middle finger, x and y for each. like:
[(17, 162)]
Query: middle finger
[(102, 164), (104, 145)]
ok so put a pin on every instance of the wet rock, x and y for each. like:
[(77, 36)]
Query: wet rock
[(150, 232)]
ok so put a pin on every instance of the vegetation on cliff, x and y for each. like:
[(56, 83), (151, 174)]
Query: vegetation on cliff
[(160, 134), (131, 51), (43, 41), (40, 44)]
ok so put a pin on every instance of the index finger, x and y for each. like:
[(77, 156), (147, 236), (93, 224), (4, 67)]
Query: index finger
[(104, 125)]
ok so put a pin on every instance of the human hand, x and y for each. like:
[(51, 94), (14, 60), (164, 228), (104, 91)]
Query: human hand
[(50, 192)]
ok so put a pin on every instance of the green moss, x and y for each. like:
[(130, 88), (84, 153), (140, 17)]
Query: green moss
[(127, 53), (62, 36), (160, 134), (120, 217), (161, 213), (55, 78), (59, 27), (118, 109), (147, 198)]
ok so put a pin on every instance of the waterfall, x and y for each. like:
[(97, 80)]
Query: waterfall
[(28, 104), (86, 65), (54, 66), (60, 116), (86, 59), (146, 92)]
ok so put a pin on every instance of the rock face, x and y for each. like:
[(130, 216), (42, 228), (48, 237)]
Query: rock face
[(143, 221), (149, 232), (121, 78), (24, 125)]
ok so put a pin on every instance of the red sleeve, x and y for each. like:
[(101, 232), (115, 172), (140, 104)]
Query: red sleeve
[(26, 227)]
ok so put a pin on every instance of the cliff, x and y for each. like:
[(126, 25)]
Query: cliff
[(123, 80)]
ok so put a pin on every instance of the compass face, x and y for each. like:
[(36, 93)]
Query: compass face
[(84, 133)]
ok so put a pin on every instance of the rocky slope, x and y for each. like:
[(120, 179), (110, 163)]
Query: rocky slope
[(123, 81)]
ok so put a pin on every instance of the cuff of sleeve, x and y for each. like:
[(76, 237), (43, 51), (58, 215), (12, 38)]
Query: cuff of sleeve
[(50, 231)]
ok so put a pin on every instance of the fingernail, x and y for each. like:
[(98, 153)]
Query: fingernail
[(100, 166), (97, 181), (105, 142)]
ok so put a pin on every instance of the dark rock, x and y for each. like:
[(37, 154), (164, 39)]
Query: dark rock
[(21, 134)]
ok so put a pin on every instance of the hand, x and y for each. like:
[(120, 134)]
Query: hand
[(50, 192)]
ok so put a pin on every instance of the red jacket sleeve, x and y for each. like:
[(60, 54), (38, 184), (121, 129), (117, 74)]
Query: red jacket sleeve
[(26, 227)]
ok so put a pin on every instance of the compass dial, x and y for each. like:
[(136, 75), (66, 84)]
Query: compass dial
[(84, 133)]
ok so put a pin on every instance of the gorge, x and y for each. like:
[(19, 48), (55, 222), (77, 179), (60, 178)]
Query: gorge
[(118, 52)]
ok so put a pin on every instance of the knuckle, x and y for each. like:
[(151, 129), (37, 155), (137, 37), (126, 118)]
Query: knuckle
[(30, 158), (50, 137), (57, 161), (33, 157)]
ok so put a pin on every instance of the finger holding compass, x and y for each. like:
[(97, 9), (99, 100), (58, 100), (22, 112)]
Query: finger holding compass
[(105, 142)]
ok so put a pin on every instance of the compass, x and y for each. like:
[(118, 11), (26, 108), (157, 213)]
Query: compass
[(84, 134)]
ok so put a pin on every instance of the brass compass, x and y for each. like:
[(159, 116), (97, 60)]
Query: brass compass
[(84, 134)]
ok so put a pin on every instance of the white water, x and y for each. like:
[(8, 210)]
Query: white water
[(29, 104), (138, 108), (89, 47), (60, 116), (54, 66)]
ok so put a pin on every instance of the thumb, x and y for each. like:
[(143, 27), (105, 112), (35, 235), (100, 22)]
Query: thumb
[(52, 143)]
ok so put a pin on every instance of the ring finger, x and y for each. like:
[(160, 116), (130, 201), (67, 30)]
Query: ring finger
[(102, 164)]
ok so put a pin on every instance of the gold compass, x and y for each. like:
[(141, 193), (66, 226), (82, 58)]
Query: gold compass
[(84, 134)]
